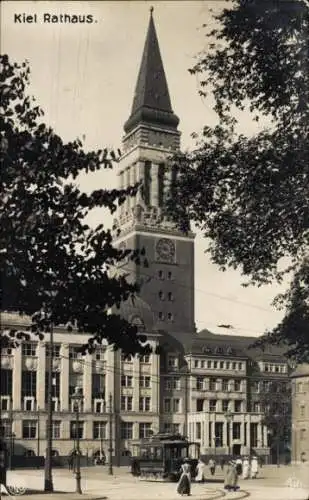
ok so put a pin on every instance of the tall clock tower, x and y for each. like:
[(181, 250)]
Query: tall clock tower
[(151, 138)]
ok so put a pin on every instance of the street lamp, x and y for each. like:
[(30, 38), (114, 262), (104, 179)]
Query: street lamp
[(110, 449), (228, 417), (77, 397)]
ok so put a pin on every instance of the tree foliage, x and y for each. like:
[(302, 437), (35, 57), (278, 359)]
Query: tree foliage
[(277, 411), (250, 194), (54, 267)]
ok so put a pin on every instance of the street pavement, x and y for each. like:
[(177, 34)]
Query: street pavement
[(284, 483)]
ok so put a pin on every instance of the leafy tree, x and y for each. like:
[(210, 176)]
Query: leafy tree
[(250, 195), (276, 407), (54, 267)]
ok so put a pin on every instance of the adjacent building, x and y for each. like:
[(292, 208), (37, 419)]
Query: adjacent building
[(300, 414), (204, 386)]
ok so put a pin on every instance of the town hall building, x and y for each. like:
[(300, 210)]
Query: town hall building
[(204, 386)]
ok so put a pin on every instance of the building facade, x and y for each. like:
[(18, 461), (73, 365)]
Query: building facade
[(202, 385), (300, 414)]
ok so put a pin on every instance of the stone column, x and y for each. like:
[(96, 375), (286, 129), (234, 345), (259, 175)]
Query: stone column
[(225, 429), (265, 444), (259, 435), (139, 176), (121, 185), (64, 377), (128, 182), (41, 370), (154, 198), (242, 430), (248, 433), (136, 389), (17, 374), (155, 383), (87, 388)]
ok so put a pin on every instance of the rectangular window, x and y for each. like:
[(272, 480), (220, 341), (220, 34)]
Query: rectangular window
[(256, 407), (145, 358), (236, 430), (234, 366), (167, 405), (99, 430), (199, 404), (199, 383), (167, 384), (76, 430), (239, 366), (6, 382), (176, 383), (227, 365), (221, 365), (126, 430), (126, 403), (209, 364), (303, 434), (212, 405), (56, 429), (76, 382), (126, 381), (74, 352), (218, 434), (100, 354), (176, 405), (198, 430), (126, 358), (29, 349), (56, 351), (144, 381), (196, 363), (144, 404), (55, 385), (238, 405), (237, 385), (225, 385), (212, 384), (215, 364), (98, 385), (254, 434), (302, 411), (225, 405), (29, 429), (144, 430), (28, 383)]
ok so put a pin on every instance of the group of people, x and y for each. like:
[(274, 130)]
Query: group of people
[(232, 471)]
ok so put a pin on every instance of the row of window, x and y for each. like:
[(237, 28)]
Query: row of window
[(213, 405), (215, 364), (216, 433), (162, 317), (162, 275), (169, 296), (126, 403), (213, 384), (171, 405), (30, 349), (127, 381), (273, 367), (99, 429)]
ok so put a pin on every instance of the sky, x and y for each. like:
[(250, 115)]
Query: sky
[(83, 77)]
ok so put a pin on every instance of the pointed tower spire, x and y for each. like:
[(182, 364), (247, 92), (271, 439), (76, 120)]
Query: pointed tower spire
[(151, 103)]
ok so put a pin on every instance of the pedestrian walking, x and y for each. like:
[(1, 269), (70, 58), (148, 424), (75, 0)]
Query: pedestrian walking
[(222, 463), (231, 477), (200, 472), (254, 467), (212, 466), (246, 468), (184, 483), (239, 466)]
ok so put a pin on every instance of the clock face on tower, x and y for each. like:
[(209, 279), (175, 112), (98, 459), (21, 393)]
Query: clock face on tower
[(165, 250)]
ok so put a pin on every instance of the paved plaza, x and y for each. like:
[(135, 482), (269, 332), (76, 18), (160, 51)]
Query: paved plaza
[(284, 483)]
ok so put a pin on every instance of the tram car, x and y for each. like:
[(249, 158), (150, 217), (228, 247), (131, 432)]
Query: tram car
[(161, 456)]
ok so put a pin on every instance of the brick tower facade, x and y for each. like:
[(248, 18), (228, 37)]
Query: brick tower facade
[(151, 138)]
